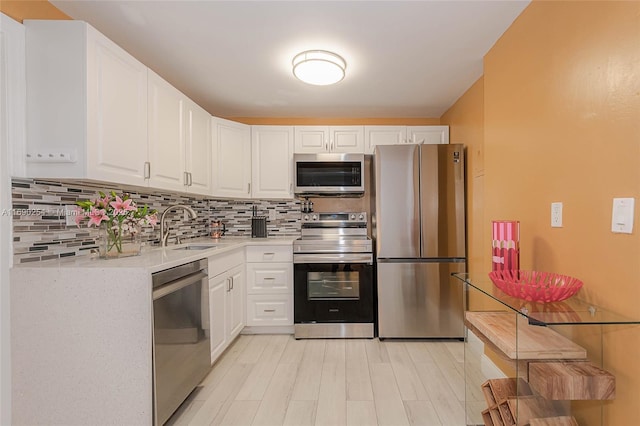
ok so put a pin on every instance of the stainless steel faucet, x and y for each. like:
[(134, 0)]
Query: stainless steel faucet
[(164, 231)]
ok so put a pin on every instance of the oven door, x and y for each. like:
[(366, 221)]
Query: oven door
[(333, 293)]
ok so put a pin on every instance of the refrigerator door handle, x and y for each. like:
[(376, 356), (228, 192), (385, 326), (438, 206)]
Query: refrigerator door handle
[(417, 165)]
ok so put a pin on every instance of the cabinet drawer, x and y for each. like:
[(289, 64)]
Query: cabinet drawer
[(270, 254), (269, 310), (267, 278), (225, 261)]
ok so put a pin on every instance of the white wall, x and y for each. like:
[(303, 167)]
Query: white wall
[(12, 145)]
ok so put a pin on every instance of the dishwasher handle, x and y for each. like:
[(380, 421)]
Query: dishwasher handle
[(178, 284)]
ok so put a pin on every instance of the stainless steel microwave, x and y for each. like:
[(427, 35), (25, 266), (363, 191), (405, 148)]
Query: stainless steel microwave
[(329, 175)]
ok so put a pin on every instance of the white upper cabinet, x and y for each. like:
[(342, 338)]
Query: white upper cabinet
[(383, 135), (198, 149), (179, 140), (166, 135), (95, 112), (347, 139), (311, 139), (428, 134), (86, 105), (394, 135), (272, 162), (231, 159), (320, 139)]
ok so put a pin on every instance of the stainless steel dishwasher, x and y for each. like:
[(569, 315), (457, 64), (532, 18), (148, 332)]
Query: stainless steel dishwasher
[(181, 351)]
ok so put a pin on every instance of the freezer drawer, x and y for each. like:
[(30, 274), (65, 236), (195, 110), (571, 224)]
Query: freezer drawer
[(418, 300)]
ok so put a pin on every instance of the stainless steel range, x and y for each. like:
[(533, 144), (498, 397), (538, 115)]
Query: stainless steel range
[(333, 277)]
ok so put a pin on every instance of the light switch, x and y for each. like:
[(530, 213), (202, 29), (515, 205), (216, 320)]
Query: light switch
[(622, 215)]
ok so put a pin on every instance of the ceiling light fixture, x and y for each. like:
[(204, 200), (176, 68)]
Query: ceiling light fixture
[(319, 67)]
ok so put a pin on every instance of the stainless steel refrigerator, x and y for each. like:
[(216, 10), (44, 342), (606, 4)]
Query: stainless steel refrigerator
[(419, 227)]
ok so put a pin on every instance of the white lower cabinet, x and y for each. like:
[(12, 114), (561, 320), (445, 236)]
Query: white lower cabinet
[(217, 314), (226, 299), (269, 286), (235, 301)]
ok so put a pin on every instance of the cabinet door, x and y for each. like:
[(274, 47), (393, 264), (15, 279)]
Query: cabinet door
[(347, 139), (166, 135), (272, 162), (198, 146), (428, 134), (116, 113), (231, 159), (218, 288), (311, 139), (383, 135), (235, 302)]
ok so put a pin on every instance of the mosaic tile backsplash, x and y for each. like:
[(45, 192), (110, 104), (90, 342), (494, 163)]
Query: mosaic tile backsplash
[(39, 217)]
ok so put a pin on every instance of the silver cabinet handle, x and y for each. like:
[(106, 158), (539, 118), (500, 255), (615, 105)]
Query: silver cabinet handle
[(290, 187), (185, 178), (326, 146), (232, 283), (268, 278), (228, 285), (190, 179), (249, 188), (147, 170), (269, 310)]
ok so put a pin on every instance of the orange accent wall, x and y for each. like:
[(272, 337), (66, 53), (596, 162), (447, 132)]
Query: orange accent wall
[(466, 126), (31, 9), (562, 123), (336, 121)]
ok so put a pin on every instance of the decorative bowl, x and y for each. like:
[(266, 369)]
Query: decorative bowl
[(536, 286)]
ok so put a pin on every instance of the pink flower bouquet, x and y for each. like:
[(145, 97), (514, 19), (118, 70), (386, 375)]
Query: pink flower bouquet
[(118, 216)]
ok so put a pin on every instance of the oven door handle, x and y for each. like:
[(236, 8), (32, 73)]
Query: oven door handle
[(333, 258), (176, 285)]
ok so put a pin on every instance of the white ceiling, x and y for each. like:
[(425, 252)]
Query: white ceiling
[(405, 58)]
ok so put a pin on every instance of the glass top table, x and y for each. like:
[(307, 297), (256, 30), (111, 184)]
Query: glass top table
[(572, 311)]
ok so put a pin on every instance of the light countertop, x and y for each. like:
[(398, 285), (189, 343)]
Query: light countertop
[(154, 259)]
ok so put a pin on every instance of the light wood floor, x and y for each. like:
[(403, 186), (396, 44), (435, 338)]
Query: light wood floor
[(277, 380)]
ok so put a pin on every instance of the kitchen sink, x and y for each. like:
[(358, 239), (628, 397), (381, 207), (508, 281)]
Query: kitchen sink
[(197, 247)]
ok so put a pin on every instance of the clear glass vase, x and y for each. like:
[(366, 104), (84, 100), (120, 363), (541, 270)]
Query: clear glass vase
[(119, 240)]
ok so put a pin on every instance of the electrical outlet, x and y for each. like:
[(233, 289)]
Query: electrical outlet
[(556, 215), (272, 214)]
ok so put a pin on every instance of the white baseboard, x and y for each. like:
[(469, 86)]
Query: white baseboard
[(278, 329)]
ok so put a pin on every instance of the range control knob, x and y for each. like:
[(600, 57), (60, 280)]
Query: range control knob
[(314, 217), (353, 217), (306, 217), (361, 217)]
